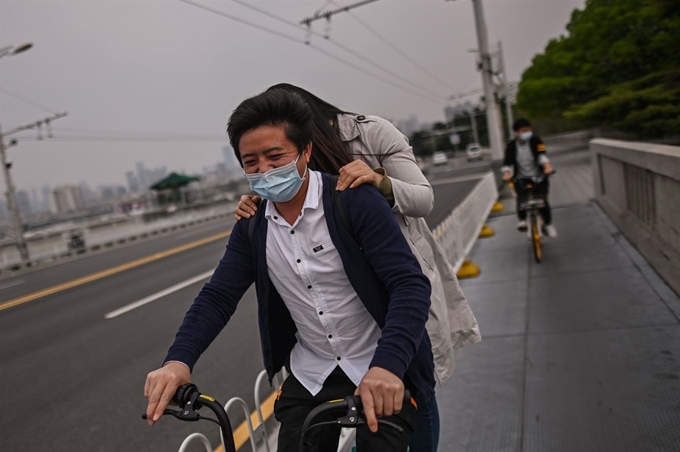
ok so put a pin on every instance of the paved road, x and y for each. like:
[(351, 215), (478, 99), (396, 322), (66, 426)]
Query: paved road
[(73, 379)]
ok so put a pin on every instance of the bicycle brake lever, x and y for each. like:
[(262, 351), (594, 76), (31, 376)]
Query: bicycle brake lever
[(352, 419)]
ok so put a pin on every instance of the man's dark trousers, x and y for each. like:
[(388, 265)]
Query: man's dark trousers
[(295, 403)]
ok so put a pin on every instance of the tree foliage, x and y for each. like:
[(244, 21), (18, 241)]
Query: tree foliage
[(619, 65)]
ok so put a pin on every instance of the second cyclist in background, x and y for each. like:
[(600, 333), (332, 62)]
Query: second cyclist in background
[(525, 158)]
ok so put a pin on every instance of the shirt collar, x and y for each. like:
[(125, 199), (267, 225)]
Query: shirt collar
[(312, 200)]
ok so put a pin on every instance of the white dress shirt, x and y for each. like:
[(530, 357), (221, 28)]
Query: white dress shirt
[(334, 327)]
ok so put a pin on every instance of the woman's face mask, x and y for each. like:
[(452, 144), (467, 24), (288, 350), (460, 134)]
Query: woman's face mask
[(279, 184)]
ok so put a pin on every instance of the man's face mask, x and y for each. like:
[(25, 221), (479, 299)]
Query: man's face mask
[(279, 184), (526, 136)]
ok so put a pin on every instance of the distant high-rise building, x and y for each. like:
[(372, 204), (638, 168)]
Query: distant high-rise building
[(234, 169), (88, 195), (45, 201), (67, 199), (142, 176), (132, 181), (107, 193), (24, 202), (120, 191)]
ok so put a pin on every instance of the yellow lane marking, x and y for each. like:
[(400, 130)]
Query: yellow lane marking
[(111, 271), (241, 434)]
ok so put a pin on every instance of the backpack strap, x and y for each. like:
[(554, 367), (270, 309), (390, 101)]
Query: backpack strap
[(337, 203), (251, 220)]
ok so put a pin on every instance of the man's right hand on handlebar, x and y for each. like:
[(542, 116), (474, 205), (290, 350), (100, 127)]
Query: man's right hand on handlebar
[(507, 177), (382, 394), (247, 206), (161, 385)]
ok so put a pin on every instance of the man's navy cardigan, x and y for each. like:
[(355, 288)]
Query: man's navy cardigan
[(378, 262)]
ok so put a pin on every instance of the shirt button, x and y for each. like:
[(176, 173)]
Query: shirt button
[(338, 358), (292, 232), (320, 312), (276, 218), (309, 287), (298, 261), (330, 336)]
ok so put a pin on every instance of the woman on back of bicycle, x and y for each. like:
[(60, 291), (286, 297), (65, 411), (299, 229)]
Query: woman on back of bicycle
[(369, 149)]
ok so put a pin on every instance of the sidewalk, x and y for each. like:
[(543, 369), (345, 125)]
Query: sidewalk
[(579, 353)]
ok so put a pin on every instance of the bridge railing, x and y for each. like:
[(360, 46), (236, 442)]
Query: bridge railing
[(459, 231), (638, 186)]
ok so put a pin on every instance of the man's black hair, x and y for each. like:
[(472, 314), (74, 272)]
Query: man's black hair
[(520, 123), (272, 108)]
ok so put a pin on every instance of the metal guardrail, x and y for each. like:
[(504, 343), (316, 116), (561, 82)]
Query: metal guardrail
[(459, 231), (54, 248)]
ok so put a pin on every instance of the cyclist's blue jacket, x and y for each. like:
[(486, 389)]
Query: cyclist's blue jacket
[(378, 262)]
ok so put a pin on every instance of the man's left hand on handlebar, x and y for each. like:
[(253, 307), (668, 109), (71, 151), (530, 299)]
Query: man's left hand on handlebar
[(548, 169), (160, 387), (382, 394)]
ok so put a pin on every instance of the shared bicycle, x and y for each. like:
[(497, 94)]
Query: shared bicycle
[(190, 400), (532, 203)]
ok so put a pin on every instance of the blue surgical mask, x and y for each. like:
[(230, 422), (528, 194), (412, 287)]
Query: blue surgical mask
[(279, 184), (526, 136)]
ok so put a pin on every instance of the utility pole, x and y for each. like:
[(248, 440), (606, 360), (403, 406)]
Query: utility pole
[(473, 121), (506, 89), (492, 108), (11, 193)]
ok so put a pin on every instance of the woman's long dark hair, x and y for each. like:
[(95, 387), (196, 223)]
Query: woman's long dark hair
[(329, 152)]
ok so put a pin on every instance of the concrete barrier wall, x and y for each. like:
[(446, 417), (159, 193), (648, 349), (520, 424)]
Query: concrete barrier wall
[(638, 186)]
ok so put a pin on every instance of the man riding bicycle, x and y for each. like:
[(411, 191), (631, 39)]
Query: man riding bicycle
[(525, 156), (342, 300)]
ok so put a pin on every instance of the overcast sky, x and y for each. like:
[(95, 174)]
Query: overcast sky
[(164, 68)]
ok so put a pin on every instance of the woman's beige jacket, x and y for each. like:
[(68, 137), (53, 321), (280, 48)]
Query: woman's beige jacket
[(377, 142)]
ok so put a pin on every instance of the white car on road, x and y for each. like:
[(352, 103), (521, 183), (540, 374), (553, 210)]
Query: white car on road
[(473, 152), (439, 158)]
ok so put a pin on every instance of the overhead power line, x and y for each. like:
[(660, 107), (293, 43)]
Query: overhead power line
[(397, 49), (27, 101), (337, 44), (318, 49)]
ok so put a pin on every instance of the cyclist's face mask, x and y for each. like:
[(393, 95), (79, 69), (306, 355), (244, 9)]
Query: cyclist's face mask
[(278, 184), (526, 136)]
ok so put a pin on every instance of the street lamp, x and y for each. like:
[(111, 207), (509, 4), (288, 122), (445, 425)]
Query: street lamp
[(11, 194), (14, 50)]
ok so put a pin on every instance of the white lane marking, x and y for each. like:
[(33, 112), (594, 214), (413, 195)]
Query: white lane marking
[(158, 295), (11, 284)]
